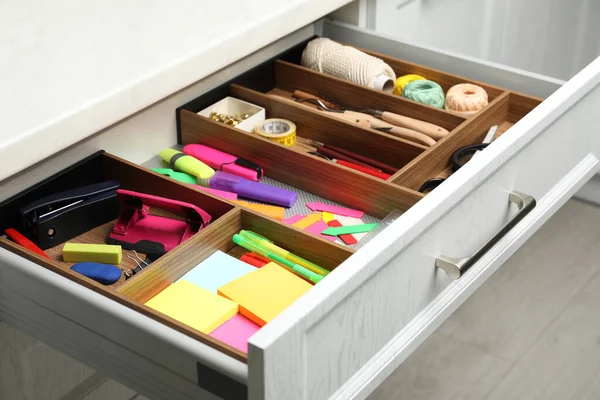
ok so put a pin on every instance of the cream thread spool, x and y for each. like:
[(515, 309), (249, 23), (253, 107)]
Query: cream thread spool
[(466, 99), (277, 130), (345, 62)]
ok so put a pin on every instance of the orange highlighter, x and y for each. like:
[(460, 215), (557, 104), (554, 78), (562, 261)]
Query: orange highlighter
[(21, 240)]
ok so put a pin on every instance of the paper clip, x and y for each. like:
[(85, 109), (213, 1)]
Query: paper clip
[(141, 264)]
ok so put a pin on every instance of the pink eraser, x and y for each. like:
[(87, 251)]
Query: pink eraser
[(335, 209), (319, 227), (219, 193), (293, 219), (221, 161), (236, 332)]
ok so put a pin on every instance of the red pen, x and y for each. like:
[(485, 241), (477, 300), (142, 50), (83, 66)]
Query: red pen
[(361, 160), (21, 240), (366, 170), (339, 156)]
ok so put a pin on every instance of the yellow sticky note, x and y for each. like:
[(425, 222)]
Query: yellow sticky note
[(327, 217), (194, 306), (308, 221), (264, 293)]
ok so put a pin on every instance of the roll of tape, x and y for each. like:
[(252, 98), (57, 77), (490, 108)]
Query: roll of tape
[(277, 130)]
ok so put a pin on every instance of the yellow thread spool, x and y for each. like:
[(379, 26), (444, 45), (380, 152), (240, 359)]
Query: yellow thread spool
[(277, 130), (405, 80)]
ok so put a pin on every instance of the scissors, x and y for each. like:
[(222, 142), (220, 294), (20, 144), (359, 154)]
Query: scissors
[(458, 159)]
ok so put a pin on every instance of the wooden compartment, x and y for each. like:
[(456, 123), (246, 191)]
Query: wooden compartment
[(311, 124), (290, 76), (311, 174), (98, 168), (134, 292), (176, 264), (504, 111)]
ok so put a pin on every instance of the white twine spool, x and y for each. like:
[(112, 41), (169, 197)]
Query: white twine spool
[(331, 58)]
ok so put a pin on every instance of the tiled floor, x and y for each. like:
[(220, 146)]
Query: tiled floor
[(531, 332)]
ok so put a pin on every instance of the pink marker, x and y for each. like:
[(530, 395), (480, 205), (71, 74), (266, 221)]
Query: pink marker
[(225, 162), (316, 206)]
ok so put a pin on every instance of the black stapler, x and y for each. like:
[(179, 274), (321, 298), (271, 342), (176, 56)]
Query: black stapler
[(60, 217)]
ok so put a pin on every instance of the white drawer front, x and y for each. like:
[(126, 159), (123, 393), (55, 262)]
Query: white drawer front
[(349, 333)]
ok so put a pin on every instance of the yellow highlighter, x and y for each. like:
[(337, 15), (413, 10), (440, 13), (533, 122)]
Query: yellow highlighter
[(182, 162), (269, 245)]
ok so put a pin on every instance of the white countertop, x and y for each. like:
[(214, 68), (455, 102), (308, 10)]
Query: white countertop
[(70, 68)]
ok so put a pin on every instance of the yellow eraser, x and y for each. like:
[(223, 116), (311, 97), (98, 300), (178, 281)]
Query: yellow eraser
[(194, 306), (272, 211), (100, 253)]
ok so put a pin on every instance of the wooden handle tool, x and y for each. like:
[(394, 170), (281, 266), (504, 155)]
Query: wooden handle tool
[(299, 94), (433, 131), (403, 133)]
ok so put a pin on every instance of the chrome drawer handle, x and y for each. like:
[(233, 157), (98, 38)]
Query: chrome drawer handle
[(456, 267)]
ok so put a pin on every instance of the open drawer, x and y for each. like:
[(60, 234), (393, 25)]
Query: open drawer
[(347, 333)]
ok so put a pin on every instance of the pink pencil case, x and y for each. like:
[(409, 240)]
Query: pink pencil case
[(225, 162)]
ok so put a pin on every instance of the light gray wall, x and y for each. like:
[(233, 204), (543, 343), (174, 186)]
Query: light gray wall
[(552, 37)]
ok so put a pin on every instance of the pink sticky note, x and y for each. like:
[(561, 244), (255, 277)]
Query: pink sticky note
[(319, 227), (236, 332), (335, 209), (293, 219)]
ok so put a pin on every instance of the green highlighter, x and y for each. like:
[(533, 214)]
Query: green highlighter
[(267, 244), (178, 176), (289, 265)]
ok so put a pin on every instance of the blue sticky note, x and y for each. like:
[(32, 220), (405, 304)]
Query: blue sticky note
[(217, 270)]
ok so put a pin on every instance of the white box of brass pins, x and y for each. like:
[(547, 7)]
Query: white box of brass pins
[(232, 107)]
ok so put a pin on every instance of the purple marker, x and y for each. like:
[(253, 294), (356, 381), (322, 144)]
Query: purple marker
[(252, 190)]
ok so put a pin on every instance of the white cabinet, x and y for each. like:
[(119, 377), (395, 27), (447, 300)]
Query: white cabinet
[(551, 37)]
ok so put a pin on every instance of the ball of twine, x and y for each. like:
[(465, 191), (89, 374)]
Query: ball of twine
[(426, 92)]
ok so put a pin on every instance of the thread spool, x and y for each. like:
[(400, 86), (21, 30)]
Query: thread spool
[(405, 80), (277, 130), (345, 62), (466, 99), (426, 92)]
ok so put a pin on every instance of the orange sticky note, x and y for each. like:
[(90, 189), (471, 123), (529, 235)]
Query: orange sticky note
[(307, 221), (194, 306), (264, 293), (272, 211)]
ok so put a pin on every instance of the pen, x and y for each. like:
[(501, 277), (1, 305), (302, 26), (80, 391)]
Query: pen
[(369, 161), (269, 245), (19, 239), (287, 264), (366, 170)]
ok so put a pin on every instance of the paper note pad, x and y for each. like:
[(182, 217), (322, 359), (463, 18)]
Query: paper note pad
[(193, 306), (216, 271), (265, 292), (236, 332)]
